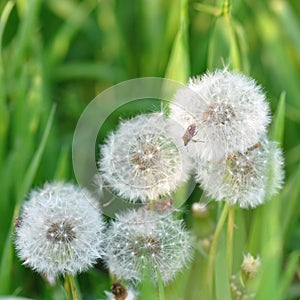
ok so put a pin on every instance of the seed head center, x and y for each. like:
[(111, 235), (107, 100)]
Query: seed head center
[(239, 166), (219, 113), (145, 156), (60, 233), (146, 246)]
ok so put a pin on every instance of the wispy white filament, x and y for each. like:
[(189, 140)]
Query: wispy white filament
[(142, 160), (229, 112), (245, 179), (60, 230), (141, 238)]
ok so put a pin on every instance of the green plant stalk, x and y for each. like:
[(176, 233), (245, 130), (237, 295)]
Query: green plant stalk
[(229, 244), (70, 287), (147, 288), (211, 10), (213, 249), (226, 6), (161, 291)]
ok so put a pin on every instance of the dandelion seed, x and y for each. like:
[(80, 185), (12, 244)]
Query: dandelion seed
[(246, 179), (142, 160), (157, 241), (228, 109), (61, 230)]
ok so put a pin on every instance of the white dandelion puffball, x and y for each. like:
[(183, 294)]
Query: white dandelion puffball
[(140, 239), (142, 159), (60, 230), (228, 112), (245, 179)]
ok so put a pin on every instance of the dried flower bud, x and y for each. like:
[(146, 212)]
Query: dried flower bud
[(199, 210), (251, 265), (119, 292)]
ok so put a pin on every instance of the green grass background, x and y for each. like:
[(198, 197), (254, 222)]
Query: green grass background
[(57, 55)]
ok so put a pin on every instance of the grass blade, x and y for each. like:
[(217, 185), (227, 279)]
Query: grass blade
[(7, 254), (25, 32), (288, 275), (4, 117), (277, 128), (179, 63), (221, 274)]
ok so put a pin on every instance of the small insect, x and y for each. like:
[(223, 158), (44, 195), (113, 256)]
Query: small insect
[(189, 134), (18, 222), (234, 157), (255, 146), (119, 291)]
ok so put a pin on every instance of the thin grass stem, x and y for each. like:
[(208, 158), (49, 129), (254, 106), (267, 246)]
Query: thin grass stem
[(213, 249), (161, 291), (229, 244)]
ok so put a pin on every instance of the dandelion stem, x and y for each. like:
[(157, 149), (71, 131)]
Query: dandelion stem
[(229, 245), (70, 287), (161, 292), (213, 249)]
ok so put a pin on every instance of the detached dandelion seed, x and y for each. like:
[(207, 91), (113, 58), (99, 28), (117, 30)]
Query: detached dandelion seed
[(61, 230), (228, 109), (142, 160), (245, 179), (141, 238)]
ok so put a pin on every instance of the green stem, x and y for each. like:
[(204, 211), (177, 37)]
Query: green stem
[(229, 245), (161, 291), (70, 287), (226, 6), (213, 249), (208, 9)]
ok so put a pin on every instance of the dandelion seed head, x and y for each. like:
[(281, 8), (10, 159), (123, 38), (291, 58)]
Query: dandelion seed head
[(142, 160), (150, 239), (245, 179), (61, 230), (229, 110)]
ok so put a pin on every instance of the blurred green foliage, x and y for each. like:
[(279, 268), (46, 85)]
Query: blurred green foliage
[(67, 51)]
